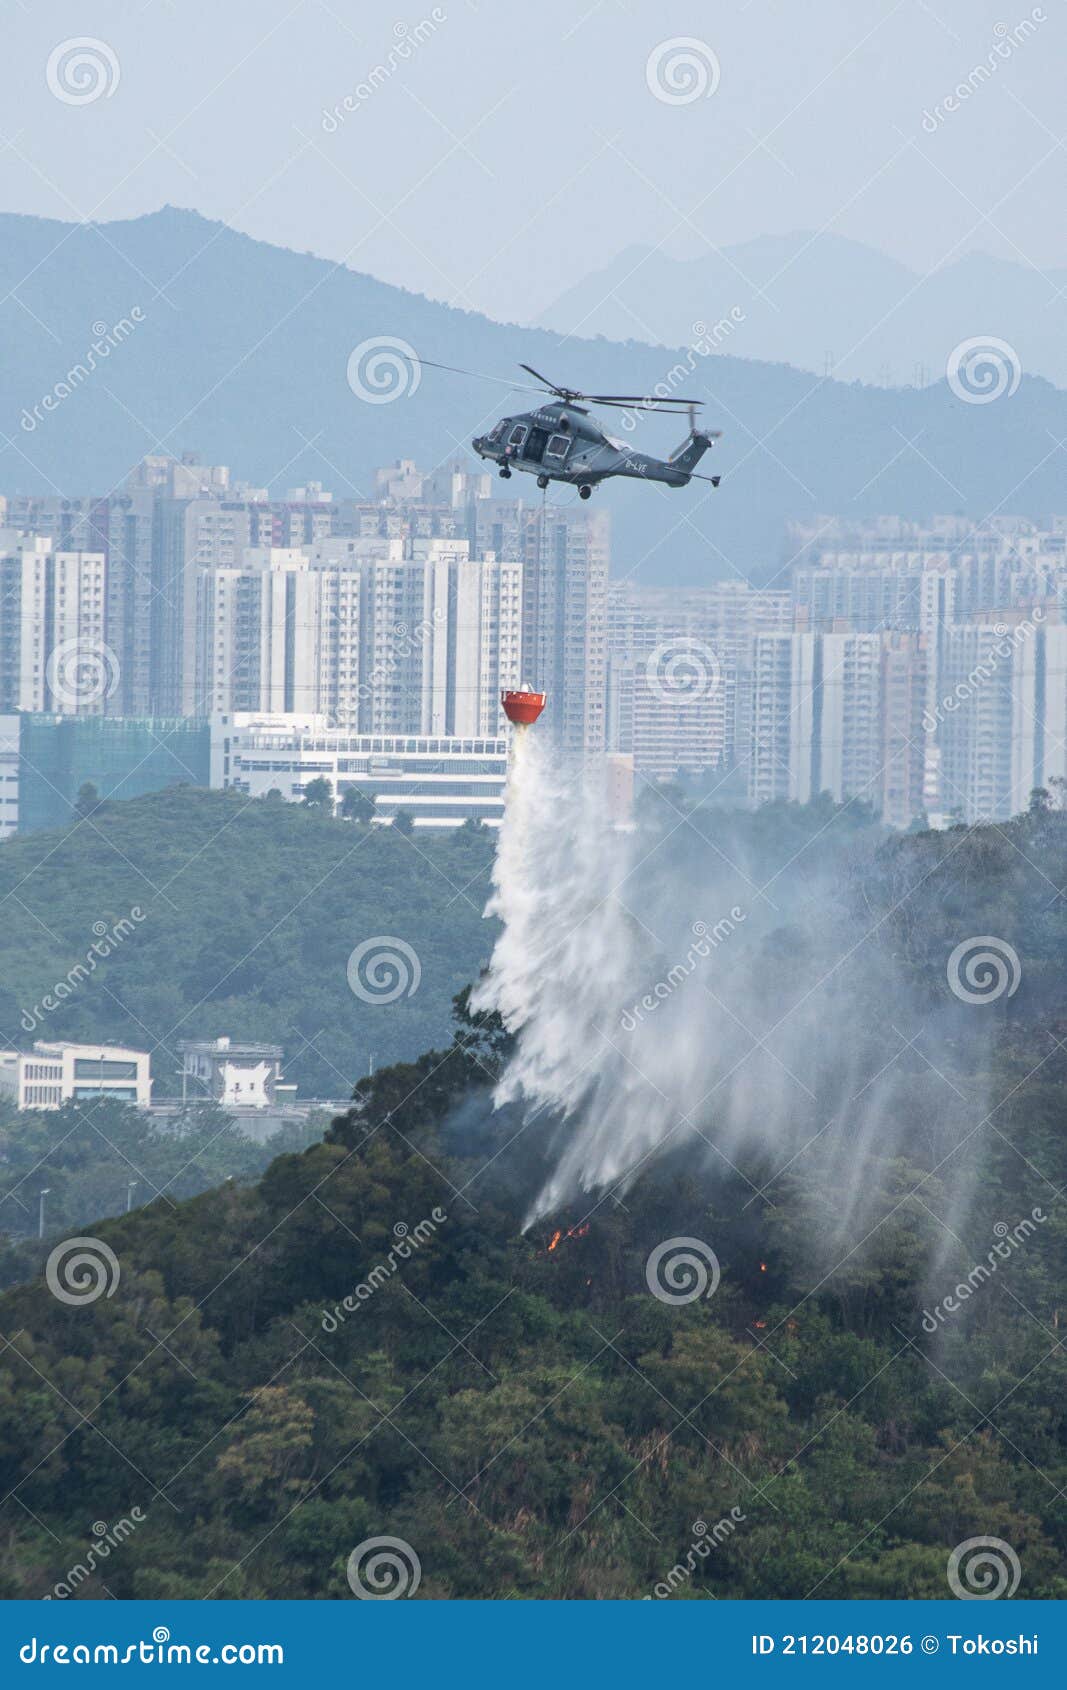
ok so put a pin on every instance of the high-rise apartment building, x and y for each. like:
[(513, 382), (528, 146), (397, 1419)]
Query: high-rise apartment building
[(565, 557), (276, 635), (839, 713), (973, 721), (53, 653), (769, 720), (384, 643), (679, 671), (470, 639), (904, 747)]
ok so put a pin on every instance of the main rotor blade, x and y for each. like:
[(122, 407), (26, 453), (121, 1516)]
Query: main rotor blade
[(628, 405), (648, 400), (516, 386), (530, 371)]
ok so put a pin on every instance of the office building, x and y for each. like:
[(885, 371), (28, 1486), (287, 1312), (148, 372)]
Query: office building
[(52, 1074), (439, 781)]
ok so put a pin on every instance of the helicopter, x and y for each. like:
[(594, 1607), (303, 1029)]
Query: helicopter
[(560, 441)]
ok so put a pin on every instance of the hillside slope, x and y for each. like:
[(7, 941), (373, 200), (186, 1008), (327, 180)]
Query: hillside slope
[(243, 353), (368, 1344), (223, 915)]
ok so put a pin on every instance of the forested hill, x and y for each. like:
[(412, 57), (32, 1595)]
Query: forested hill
[(367, 1344), (213, 914)]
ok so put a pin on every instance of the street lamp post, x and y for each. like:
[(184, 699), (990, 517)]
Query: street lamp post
[(40, 1210)]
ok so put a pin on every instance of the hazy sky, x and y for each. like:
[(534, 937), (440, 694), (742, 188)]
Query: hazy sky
[(518, 147)]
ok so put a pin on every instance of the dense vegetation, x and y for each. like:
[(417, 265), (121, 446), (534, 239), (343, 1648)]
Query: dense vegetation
[(530, 1419), (101, 1157), (244, 916)]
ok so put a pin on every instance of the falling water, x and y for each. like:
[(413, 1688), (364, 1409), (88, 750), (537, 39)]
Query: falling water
[(664, 993)]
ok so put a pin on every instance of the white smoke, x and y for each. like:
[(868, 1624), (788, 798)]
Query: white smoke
[(662, 996)]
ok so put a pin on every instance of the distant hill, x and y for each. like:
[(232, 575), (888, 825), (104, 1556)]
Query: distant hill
[(809, 297), (243, 351), (249, 912)]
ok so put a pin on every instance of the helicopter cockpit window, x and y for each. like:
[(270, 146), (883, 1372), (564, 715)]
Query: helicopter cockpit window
[(498, 432), (558, 446), (517, 435)]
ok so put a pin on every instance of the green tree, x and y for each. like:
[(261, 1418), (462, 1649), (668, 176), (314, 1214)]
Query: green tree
[(356, 805), (88, 800), (318, 794)]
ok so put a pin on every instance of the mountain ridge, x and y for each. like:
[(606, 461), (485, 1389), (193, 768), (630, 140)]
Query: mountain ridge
[(798, 290), (243, 348)]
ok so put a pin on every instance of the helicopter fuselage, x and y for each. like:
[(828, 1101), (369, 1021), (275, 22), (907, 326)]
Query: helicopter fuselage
[(560, 442)]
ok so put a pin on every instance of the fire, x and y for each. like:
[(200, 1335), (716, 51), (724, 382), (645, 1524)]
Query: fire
[(571, 1232)]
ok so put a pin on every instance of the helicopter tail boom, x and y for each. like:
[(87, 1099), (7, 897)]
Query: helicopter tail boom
[(690, 452)]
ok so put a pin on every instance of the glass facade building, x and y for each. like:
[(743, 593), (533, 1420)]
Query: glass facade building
[(122, 756)]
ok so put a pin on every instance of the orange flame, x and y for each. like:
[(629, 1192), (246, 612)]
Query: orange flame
[(572, 1232)]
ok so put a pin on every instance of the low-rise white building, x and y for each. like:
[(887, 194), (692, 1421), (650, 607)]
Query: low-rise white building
[(438, 781), (52, 1073), (232, 1072)]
